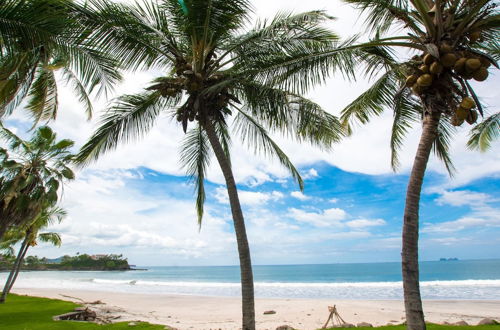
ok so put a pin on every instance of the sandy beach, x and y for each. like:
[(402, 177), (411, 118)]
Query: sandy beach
[(200, 312)]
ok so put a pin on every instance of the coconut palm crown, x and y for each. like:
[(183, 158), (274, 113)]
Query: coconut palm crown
[(455, 41), (43, 42), (215, 77)]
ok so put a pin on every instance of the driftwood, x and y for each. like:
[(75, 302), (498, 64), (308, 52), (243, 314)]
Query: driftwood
[(334, 317)]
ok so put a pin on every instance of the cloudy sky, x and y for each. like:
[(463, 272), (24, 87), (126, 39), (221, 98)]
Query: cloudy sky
[(136, 200)]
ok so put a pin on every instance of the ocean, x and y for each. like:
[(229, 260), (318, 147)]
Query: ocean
[(467, 279)]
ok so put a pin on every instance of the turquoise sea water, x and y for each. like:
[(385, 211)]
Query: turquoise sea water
[(470, 279)]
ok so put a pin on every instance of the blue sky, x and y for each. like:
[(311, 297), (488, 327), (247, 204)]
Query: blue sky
[(136, 200)]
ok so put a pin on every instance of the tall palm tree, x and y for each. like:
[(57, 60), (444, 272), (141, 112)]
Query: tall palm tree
[(30, 236), (213, 75), (455, 41), (31, 174), (40, 37)]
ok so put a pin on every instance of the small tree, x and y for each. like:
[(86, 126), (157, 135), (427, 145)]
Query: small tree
[(31, 173), (30, 237)]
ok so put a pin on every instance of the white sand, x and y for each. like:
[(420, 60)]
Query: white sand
[(194, 312)]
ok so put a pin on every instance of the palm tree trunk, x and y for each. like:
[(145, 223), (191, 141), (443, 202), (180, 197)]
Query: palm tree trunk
[(15, 269), (18, 268), (247, 291), (413, 302), (3, 229)]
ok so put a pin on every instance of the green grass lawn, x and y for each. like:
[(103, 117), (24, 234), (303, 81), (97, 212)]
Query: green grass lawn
[(32, 313)]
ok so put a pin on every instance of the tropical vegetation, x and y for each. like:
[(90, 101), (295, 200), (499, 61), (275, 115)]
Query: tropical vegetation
[(39, 38), (31, 174), (29, 237), (453, 42)]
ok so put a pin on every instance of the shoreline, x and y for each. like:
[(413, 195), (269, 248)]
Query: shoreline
[(210, 312)]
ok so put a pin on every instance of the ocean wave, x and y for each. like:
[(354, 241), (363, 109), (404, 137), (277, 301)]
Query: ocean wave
[(301, 284), (456, 289)]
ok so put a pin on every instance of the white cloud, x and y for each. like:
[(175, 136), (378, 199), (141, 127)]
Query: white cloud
[(363, 223), (458, 225), (299, 195), (311, 174), (248, 197), (325, 218), (463, 197)]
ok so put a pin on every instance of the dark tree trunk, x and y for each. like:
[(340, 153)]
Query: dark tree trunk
[(413, 302), (15, 269), (3, 229), (247, 292)]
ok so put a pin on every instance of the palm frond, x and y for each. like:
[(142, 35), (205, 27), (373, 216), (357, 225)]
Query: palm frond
[(43, 96), (373, 101), (127, 120), (441, 145), (195, 159), (484, 133), (406, 113), (257, 138), (52, 238), (290, 114)]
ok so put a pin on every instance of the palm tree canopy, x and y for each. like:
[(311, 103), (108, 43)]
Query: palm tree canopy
[(40, 37), (216, 75), (46, 218), (455, 41), (31, 174)]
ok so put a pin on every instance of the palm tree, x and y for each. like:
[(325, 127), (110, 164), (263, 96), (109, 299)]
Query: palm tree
[(40, 37), (30, 237), (215, 74), (31, 174), (455, 41)]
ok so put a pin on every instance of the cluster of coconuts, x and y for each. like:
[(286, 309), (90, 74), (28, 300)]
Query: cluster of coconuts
[(465, 112), (466, 64)]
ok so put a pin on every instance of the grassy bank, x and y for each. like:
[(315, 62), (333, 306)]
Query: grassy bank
[(32, 313)]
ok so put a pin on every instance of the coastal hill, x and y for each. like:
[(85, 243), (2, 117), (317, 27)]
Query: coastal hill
[(78, 262)]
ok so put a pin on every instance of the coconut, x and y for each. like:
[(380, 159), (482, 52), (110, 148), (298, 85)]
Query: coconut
[(445, 48), (474, 36), (472, 64), (472, 117), (485, 62), (460, 65), (455, 121), (467, 75), (424, 80), (468, 103), (481, 74), (436, 68), (411, 80), (428, 59), (448, 60), (424, 68), (461, 113), (417, 90)]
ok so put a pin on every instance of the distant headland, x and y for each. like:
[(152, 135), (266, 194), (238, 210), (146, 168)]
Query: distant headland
[(448, 259), (95, 262)]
